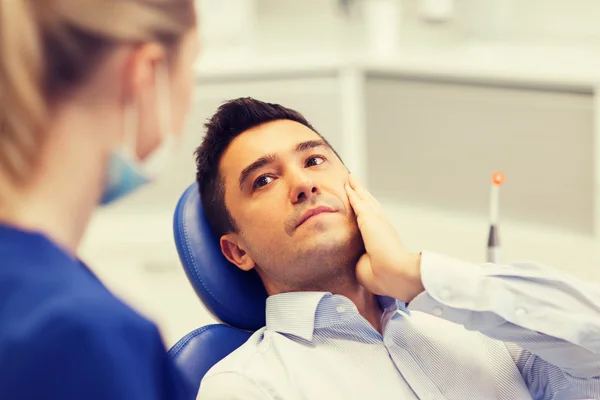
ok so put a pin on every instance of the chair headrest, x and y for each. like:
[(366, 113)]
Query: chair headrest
[(233, 296)]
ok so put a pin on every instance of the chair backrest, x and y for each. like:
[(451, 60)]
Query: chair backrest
[(234, 297), (199, 350)]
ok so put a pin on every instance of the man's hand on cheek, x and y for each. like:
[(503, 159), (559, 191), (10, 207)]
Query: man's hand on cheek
[(386, 268)]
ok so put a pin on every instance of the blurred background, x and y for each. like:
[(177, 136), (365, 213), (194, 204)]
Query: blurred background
[(424, 100)]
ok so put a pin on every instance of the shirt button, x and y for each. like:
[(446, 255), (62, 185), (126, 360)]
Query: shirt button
[(341, 308), (445, 294), (437, 312), (520, 313)]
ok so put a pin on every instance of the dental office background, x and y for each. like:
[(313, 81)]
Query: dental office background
[(424, 99)]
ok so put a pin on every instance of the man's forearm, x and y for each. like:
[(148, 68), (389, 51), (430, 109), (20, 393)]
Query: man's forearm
[(549, 315), (528, 295)]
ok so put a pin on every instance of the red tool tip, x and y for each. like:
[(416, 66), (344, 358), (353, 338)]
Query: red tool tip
[(498, 178)]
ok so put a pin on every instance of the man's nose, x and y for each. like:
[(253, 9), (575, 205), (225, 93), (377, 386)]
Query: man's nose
[(303, 189)]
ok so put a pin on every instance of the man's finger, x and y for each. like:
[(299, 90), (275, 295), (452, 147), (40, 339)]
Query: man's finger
[(363, 193), (357, 187), (355, 200)]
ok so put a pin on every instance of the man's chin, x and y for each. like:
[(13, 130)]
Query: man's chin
[(334, 244)]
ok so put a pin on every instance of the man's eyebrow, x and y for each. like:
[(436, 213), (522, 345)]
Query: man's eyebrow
[(259, 163), (311, 144), (271, 158)]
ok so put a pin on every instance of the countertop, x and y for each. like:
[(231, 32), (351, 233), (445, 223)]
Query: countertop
[(572, 67)]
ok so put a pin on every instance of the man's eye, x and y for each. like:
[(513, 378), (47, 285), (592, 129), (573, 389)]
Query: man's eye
[(262, 181), (315, 160)]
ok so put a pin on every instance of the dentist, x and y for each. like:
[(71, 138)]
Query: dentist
[(91, 95)]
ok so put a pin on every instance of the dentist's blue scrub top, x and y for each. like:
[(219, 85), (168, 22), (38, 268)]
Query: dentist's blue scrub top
[(63, 335)]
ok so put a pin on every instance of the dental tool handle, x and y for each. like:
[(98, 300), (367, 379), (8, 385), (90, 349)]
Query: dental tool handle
[(494, 205), (493, 248)]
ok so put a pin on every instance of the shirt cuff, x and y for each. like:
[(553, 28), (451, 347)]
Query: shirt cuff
[(451, 288)]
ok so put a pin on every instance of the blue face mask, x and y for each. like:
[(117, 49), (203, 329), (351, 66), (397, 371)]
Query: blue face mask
[(125, 174), (124, 177)]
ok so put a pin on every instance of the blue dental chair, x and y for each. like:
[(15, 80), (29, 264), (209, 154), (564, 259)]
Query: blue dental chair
[(234, 297)]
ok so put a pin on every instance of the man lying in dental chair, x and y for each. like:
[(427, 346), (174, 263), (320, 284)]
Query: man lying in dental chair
[(338, 279)]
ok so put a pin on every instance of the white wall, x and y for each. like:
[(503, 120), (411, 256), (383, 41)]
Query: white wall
[(557, 21)]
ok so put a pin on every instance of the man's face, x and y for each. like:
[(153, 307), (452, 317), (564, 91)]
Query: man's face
[(284, 188)]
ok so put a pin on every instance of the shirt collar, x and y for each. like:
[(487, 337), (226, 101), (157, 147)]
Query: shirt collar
[(299, 313)]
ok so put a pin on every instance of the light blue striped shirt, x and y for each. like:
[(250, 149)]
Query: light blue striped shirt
[(478, 332)]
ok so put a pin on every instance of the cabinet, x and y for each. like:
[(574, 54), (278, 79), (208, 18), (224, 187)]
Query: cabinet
[(436, 144)]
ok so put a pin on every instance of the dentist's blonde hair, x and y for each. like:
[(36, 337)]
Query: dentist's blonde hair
[(48, 47)]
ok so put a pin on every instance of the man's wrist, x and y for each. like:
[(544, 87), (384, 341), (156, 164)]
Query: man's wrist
[(408, 284), (416, 281)]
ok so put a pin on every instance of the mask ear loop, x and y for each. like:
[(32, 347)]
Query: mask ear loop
[(130, 125), (163, 89)]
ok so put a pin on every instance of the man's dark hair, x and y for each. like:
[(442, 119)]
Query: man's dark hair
[(231, 119)]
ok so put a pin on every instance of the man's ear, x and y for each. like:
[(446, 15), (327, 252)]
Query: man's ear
[(233, 249)]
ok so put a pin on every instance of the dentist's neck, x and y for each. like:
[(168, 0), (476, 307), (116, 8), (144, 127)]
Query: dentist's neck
[(58, 201)]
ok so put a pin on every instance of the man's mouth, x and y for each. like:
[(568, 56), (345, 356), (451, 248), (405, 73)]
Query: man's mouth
[(314, 212)]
